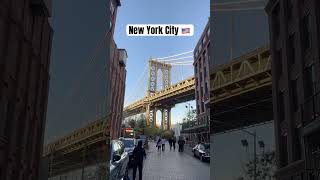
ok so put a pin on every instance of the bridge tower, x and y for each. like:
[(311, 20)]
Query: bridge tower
[(154, 67)]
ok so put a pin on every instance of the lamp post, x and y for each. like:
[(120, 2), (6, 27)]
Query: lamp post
[(189, 107), (244, 142)]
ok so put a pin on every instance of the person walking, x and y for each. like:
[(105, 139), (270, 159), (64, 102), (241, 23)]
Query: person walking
[(183, 142), (163, 143), (159, 144), (174, 143), (138, 154), (170, 143)]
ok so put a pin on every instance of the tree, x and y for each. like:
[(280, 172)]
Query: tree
[(266, 165), (141, 122), (152, 131), (167, 134), (132, 123)]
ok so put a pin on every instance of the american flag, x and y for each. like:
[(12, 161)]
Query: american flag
[(185, 30)]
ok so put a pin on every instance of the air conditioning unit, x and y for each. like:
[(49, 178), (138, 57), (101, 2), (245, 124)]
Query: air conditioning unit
[(41, 7)]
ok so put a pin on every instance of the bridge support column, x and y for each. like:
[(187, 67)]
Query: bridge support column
[(169, 119), (166, 118), (151, 116)]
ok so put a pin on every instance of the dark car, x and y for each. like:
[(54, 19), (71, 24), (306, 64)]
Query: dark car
[(202, 151), (129, 145), (119, 160)]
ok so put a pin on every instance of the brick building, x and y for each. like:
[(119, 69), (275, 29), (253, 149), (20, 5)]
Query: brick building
[(201, 69), (118, 58), (25, 47), (118, 80), (294, 41), (200, 131)]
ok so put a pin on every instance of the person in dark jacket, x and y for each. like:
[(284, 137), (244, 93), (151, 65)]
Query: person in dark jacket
[(170, 143), (159, 144), (174, 143), (138, 154)]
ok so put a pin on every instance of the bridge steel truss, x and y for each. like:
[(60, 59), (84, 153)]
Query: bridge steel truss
[(162, 100), (84, 147), (241, 91)]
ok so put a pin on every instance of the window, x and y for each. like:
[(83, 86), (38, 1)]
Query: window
[(202, 106), (195, 68), (198, 109), (294, 87), (291, 49), (206, 88), (281, 107), (306, 30), (197, 95), (309, 81), (121, 147)]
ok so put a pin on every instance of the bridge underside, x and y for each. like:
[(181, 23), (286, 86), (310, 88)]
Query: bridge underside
[(92, 155), (179, 98), (249, 108)]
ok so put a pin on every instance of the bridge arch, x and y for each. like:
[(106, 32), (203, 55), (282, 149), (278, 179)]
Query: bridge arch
[(159, 73)]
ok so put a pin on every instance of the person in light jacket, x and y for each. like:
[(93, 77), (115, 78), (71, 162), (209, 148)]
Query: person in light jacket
[(163, 142)]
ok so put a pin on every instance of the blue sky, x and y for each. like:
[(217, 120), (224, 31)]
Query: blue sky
[(140, 49)]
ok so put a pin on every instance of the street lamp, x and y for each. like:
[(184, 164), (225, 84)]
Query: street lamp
[(245, 143), (189, 107)]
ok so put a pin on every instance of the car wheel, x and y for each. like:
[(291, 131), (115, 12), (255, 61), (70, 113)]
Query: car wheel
[(194, 154), (201, 157)]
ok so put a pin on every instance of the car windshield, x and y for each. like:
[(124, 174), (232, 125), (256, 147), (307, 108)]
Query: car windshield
[(128, 143), (206, 146)]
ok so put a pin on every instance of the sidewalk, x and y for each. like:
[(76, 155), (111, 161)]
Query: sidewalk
[(172, 165)]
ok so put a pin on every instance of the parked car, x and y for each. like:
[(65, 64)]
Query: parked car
[(129, 145), (119, 160), (202, 151)]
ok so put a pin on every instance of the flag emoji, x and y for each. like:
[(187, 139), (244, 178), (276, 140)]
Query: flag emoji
[(185, 30)]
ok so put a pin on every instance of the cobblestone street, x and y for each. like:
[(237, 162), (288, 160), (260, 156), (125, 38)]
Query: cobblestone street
[(172, 165)]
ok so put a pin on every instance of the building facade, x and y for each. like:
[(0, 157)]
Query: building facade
[(294, 41), (118, 58), (202, 78), (118, 80), (199, 130), (25, 47)]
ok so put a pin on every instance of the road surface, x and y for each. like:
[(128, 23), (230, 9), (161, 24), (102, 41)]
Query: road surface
[(172, 165)]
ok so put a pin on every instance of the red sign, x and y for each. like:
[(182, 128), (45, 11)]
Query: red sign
[(128, 130)]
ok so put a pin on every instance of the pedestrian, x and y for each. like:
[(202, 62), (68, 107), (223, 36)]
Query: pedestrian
[(163, 143), (174, 143), (170, 143), (138, 154), (183, 142), (179, 144), (159, 144)]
